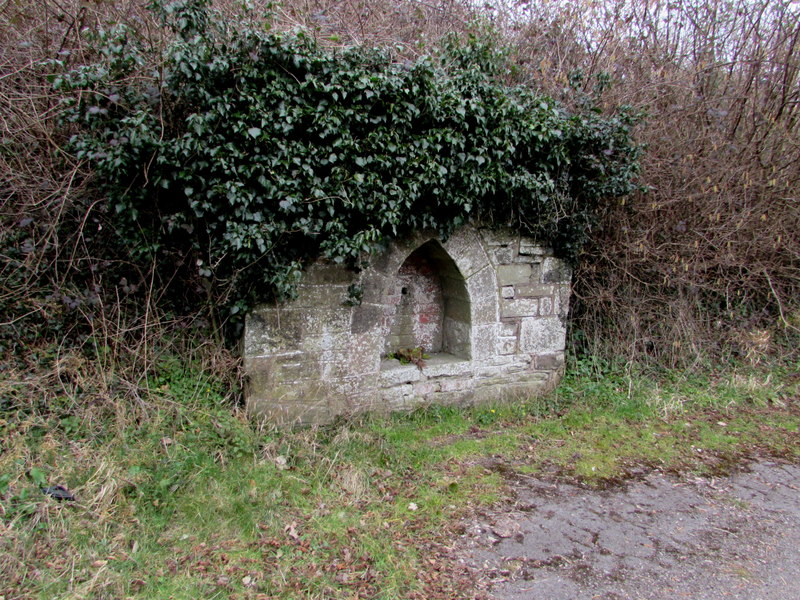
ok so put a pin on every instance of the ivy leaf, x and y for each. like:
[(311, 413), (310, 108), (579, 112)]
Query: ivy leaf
[(350, 149)]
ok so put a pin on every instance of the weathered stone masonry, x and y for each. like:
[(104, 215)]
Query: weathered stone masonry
[(488, 308)]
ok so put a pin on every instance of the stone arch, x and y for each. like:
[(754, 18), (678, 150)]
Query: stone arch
[(428, 304), (320, 355)]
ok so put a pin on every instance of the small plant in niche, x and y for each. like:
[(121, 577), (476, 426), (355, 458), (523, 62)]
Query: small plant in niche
[(406, 356)]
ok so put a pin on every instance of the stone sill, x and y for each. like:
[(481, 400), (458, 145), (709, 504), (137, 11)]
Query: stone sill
[(440, 364)]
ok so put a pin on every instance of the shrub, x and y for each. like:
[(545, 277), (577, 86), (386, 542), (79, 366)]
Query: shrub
[(240, 155)]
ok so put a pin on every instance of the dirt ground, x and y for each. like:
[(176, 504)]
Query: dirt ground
[(659, 537)]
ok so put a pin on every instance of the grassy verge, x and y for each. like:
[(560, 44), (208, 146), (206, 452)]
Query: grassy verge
[(177, 496)]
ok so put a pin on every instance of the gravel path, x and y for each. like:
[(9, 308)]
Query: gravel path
[(657, 538)]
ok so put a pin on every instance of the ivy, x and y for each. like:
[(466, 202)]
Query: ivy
[(246, 154)]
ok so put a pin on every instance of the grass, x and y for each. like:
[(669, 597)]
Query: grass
[(181, 497)]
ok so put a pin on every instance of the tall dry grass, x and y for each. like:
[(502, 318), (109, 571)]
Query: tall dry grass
[(706, 262)]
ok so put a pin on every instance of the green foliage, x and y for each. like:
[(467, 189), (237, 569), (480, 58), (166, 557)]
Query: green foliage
[(242, 155), (168, 495), (408, 356)]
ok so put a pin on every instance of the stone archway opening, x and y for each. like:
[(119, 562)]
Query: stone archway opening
[(429, 306)]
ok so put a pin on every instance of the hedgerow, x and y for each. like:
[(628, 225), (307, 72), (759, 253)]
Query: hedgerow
[(236, 155)]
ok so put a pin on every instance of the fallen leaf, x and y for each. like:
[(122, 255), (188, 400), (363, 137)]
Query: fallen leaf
[(291, 530), (137, 583)]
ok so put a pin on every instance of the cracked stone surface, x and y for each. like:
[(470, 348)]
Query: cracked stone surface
[(656, 538)]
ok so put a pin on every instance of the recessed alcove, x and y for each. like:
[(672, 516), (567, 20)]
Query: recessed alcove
[(428, 307)]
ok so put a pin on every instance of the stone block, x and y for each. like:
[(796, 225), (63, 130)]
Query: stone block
[(454, 385), (458, 309), (513, 274), (509, 327), (505, 392), (507, 291), (440, 366), (393, 373), (260, 374), (366, 318), (459, 398), (299, 404), (544, 335), (485, 310), (545, 306), (325, 273), (534, 290), (555, 270), (506, 345), (465, 249), (313, 297), (342, 391), (519, 307), (363, 352), (561, 301), (529, 247), (399, 342), (350, 361), (495, 365), (272, 329), (398, 397), (498, 237), (265, 374), (482, 284), (455, 338), (502, 255), (484, 342), (550, 362), (324, 321), (327, 343), (375, 288), (308, 368), (425, 389)]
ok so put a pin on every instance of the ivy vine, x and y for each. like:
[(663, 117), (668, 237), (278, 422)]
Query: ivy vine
[(245, 154)]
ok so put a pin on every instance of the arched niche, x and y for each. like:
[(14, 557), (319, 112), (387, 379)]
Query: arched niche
[(429, 305)]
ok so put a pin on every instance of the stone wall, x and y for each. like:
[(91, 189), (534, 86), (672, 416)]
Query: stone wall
[(488, 308)]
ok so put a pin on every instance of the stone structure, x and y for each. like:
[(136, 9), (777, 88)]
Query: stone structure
[(488, 309)]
